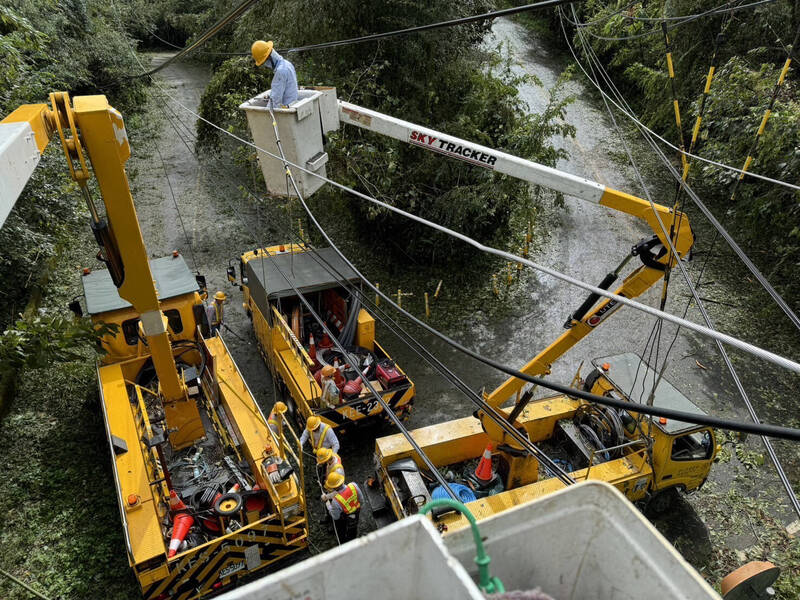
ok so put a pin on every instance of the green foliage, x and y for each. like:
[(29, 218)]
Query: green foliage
[(45, 338), (446, 80), (60, 529), (764, 218), (47, 46)]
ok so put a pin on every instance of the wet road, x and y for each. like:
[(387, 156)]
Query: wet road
[(584, 241)]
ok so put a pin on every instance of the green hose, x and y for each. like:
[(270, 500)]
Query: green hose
[(488, 584)]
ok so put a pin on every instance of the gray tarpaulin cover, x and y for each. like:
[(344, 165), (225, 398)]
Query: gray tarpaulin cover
[(172, 276), (309, 273)]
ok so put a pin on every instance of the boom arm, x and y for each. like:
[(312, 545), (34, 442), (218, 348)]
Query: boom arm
[(103, 137), (653, 252)]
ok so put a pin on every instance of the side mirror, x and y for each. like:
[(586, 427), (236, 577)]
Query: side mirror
[(231, 272), (75, 307), (201, 282)]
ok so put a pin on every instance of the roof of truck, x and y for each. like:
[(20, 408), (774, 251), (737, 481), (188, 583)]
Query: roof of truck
[(309, 271), (171, 274), (634, 379)]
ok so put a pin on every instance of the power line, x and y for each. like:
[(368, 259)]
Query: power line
[(177, 209), (742, 345), (777, 431), (700, 204), (760, 428), (706, 317), (434, 362), (678, 21), (231, 16), (431, 26), (163, 41)]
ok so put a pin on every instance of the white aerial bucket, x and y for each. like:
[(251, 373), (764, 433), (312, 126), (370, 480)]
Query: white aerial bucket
[(301, 127)]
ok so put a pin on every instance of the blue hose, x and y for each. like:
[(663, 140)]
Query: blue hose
[(463, 492)]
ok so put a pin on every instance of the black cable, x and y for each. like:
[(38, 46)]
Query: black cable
[(425, 354), (231, 16), (498, 417), (177, 210), (697, 201), (706, 317), (706, 420), (678, 22), (430, 26)]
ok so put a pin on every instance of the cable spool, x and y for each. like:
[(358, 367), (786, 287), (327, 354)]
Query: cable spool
[(367, 360), (602, 427), (228, 504)]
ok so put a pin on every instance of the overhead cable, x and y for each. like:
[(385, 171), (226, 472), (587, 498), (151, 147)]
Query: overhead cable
[(231, 16), (742, 345), (678, 22), (759, 428), (706, 317), (701, 205), (431, 26), (772, 430), (424, 353)]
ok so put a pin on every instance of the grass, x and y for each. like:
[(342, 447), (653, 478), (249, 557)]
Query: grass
[(59, 523)]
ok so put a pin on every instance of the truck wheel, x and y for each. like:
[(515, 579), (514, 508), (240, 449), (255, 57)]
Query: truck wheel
[(662, 501)]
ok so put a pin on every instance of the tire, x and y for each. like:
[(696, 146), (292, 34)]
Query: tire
[(662, 501)]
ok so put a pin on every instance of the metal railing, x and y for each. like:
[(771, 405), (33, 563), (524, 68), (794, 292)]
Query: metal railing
[(612, 449), (306, 362)]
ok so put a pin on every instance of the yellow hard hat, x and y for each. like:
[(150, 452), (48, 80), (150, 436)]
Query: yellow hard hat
[(313, 423), (261, 51), (328, 371), (324, 455), (220, 296), (334, 481), (280, 407)]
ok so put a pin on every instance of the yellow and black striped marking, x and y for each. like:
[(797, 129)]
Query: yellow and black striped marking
[(218, 564)]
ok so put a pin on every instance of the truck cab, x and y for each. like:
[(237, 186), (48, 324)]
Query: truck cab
[(682, 452), (178, 290), (295, 347)]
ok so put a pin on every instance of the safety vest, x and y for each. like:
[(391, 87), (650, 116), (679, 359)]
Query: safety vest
[(335, 466), (218, 314), (317, 444), (348, 499), (272, 420)]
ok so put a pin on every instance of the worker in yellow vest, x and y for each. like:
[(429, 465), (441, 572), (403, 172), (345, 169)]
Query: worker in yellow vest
[(321, 436), (275, 416), (343, 503), (328, 462)]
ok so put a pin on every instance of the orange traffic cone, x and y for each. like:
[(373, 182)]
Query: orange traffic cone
[(175, 503), (326, 341), (181, 525), (484, 470), (312, 349)]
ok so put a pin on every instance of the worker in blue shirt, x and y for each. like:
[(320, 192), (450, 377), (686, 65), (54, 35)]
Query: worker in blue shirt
[(284, 82)]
